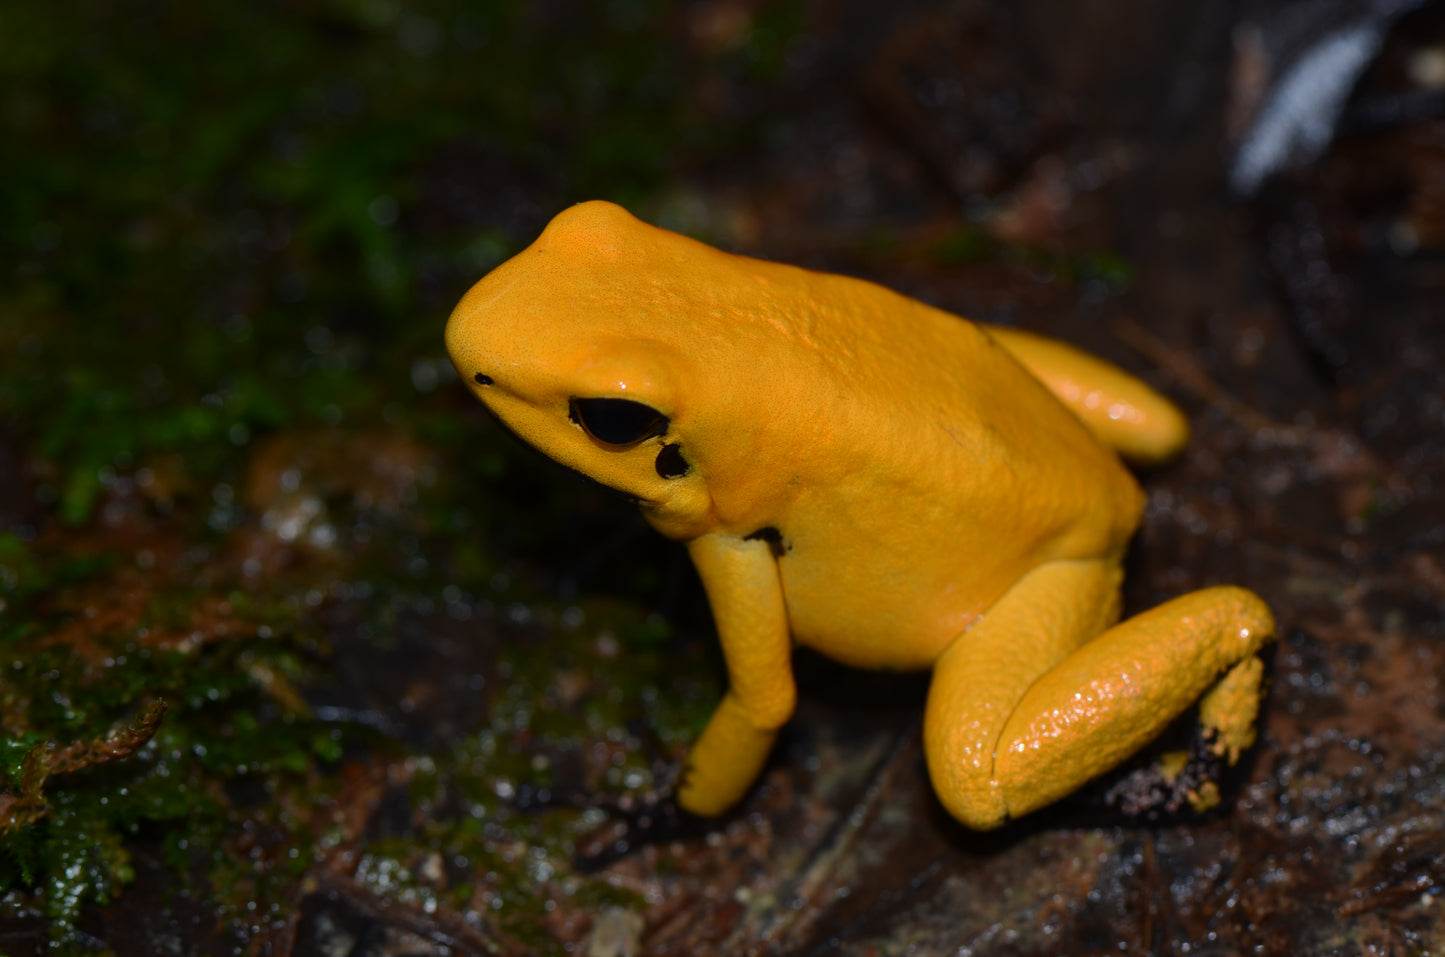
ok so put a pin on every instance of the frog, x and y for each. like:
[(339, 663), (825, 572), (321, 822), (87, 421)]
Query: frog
[(868, 476)]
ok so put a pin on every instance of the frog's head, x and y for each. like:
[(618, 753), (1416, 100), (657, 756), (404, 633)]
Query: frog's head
[(567, 344)]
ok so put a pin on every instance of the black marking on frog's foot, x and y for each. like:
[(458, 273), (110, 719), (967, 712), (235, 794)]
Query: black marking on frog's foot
[(1146, 795), (670, 463), (770, 534), (481, 378), (635, 823), (634, 820)]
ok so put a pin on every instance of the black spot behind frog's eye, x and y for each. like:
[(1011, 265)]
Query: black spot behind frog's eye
[(618, 421), (481, 378), (670, 463)]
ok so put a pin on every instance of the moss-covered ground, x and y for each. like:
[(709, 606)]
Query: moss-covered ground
[(233, 453)]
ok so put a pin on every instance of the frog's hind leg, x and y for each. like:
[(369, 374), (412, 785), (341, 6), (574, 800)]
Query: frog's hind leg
[(1041, 694), (1122, 412), (980, 679)]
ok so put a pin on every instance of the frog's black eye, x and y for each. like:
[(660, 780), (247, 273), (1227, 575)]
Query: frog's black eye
[(481, 378), (618, 421)]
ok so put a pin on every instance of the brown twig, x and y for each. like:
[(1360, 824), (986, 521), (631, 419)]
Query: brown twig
[(28, 804)]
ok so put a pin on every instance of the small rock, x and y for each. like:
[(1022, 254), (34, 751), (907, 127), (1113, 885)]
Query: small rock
[(617, 933)]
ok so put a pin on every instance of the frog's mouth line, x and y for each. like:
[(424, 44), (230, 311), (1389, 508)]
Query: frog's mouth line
[(532, 449)]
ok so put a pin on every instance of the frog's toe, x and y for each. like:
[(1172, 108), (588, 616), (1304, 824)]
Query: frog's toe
[(1189, 779), (1230, 710)]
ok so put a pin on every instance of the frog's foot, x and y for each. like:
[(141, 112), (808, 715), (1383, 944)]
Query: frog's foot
[(1040, 700), (633, 821), (1190, 778)]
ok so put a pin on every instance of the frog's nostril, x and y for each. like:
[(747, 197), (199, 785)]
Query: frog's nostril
[(481, 378)]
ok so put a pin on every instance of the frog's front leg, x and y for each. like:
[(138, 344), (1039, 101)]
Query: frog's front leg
[(1041, 694), (746, 595)]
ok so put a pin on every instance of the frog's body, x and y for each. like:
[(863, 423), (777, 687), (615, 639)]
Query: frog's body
[(879, 480)]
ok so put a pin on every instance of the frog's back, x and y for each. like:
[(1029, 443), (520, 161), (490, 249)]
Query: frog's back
[(882, 388), (949, 471)]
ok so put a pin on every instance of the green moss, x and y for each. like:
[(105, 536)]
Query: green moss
[(236, 755), (26, 574), (232, 224), (222, 726), (256, 190)]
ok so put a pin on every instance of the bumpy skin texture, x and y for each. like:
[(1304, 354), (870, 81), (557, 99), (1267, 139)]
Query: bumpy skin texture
[(889, 484)]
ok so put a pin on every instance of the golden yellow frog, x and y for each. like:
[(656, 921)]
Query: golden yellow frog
[(876, 479)]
